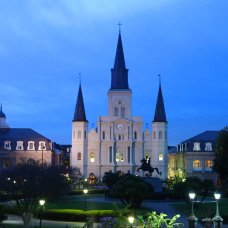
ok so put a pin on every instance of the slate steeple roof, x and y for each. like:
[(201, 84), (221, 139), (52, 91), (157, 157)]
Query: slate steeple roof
[(119, 72), (79, 113), (159, 115), (2, 114)]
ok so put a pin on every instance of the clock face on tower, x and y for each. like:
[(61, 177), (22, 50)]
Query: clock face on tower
[(120, 126)]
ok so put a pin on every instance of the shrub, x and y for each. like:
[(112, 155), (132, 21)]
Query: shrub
[(76, 215)]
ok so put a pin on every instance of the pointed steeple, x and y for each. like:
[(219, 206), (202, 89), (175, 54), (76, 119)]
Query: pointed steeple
[(119, 72), (79, 113), (2, 114), (159, 115)]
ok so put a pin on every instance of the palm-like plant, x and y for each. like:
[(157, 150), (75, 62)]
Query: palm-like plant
[(154, 220)]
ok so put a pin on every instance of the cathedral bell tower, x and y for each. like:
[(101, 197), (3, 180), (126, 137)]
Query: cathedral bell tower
[(159, 137), (79, 152), (119, 95), (2, 118)]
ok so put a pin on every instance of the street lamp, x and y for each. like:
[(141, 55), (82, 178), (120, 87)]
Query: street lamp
[(217, 220), (192, 220), (131, 220), (85, 192), (41, 202), (42, 149)]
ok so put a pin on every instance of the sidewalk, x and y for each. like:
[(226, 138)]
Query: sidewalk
[(15, 219)]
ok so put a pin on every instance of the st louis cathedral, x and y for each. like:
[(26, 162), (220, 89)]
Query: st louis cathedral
[(119, 142)]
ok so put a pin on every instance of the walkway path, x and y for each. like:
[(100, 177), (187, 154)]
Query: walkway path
[(159, 206)]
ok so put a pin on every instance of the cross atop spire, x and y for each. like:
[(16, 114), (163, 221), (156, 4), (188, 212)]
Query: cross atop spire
[(159, 76), (119, 24), (79, 77), (119, 72)]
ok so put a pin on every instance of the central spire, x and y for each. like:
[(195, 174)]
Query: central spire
[(119, 72), (79, 114), (159, 115)]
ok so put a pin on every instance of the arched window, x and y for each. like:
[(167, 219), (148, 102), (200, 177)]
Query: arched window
[(208, 165), (135, 135), (147, 155), (103, 134), (31, 161), (79, 156), (121, 157), (196, 165), (79, 134), (160, 157), (85, 135), (117, 157), (160, 135), (122, 111), (116, 111), (154, 135), (92, 157), (6, 163)]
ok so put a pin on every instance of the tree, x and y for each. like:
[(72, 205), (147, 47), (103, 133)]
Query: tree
[(131, 190), (221, 155), (181, 189), (25, 184)]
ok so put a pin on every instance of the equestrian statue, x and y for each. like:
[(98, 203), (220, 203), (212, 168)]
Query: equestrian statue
[(146, 166)]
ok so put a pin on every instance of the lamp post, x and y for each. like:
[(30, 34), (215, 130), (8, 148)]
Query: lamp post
[(217, 220), (192, 220), (85, 192), (42, 158), (41, 202), (131, 220)]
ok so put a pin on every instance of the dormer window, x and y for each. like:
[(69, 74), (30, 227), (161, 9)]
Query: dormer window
[(7, 145), (19, 145), (196, 146), (208, 146), (42, 145), (31, 145)]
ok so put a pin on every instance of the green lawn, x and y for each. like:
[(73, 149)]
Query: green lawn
[(203, 210), (78, 202)]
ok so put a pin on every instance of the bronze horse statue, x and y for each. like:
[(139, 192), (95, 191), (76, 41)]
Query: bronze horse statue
[(146, 166)]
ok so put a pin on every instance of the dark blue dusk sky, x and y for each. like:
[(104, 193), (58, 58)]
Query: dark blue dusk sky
[(45, 44)]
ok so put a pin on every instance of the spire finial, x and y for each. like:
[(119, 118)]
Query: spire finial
[(1, 106), (119, 24), (79, 78), (159, 76)]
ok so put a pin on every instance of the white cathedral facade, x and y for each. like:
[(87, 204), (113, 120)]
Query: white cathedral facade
[(119, 142)]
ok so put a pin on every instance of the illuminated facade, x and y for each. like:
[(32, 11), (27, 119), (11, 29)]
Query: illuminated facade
[(23, 145), (119, 143), (194, 157)]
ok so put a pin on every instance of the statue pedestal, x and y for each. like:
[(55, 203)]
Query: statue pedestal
[(155, 182)]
